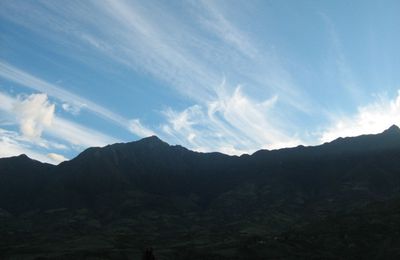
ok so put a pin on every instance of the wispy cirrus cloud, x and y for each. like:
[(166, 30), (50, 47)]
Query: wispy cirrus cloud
[(191, 57), (150, 45), (34, 114), (214, 21), (139, 129), (190, 69), (25, 79), (42, 110), (261, 66), (342, 70), (150, 38), (78, 135), (234, 123)]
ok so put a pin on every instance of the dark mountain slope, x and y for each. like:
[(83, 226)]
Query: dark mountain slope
[(368, 163), (150, 165), (22, 182), (189, 204), (370, 159)]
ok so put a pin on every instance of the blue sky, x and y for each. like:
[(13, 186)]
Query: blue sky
[(228, 76)]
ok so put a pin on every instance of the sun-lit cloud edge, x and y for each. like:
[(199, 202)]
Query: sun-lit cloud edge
[(371, 118)]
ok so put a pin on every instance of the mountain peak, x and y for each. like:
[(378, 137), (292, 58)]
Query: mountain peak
[(152, 141), (394, 129), (22, 157)]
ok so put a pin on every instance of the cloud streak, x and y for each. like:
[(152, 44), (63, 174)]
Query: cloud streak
[(78, 135), (25, 79), (140, 130), (233, 124), (152, 39), (190, 53)]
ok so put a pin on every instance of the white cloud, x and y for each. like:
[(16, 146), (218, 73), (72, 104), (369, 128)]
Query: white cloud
[(25, 79), (78, 135), (261, 65), (217, 23), (370, 119), (12, 144), (233, 124), (57, 157), (140, 130), (73, 109), (153, 40), (155, 46), (35, 113), (6, 102), (184, 119)]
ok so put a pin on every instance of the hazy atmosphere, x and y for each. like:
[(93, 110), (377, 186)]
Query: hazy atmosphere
[(227, 76)]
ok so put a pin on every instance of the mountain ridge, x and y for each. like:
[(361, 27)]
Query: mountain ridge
[(154, 166), (192, 205), (154, 141)]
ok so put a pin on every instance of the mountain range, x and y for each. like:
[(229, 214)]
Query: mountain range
[(332, 201)]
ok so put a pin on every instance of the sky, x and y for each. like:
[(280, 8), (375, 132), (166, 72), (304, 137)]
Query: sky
[(227, 76)]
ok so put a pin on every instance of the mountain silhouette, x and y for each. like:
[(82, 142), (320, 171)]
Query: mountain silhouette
[(147, 193)]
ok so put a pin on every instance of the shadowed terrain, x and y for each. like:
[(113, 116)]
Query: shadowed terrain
[(337, 200)]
